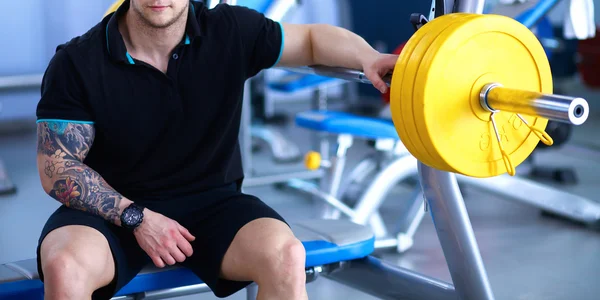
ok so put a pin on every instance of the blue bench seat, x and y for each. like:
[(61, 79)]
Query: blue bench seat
[(294, 82), (326, 242), (345, 123)]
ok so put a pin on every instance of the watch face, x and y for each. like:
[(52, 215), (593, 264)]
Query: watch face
[(132, 217)]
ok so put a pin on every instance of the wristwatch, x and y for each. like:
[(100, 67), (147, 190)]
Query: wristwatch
[(132, 216)]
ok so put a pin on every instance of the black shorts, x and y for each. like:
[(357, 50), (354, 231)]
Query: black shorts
[(213, 217)]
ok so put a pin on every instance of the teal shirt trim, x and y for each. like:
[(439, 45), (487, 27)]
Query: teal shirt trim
[(282, 44), (129, 58), (59, 126), (187, 39), (64, 121)]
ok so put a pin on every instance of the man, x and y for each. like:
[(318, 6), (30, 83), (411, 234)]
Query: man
[(138, 124)]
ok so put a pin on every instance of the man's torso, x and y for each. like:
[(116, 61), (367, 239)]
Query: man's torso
[(159, 134)]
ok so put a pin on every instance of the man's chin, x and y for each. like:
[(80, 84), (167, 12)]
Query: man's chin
[(160, 24)]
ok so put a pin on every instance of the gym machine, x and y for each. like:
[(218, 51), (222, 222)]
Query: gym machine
[(362, 191), (439, 183)]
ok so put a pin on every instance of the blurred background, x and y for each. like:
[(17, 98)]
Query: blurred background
[(529, 254)]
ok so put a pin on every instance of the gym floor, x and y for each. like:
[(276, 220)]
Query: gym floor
[(527, 255)]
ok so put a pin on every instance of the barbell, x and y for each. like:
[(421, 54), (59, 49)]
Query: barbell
[(470, 94)]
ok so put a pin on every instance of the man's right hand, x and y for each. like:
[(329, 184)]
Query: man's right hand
[(163, 239)]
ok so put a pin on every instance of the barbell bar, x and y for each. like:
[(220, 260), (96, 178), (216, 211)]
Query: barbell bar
[(493, 97)]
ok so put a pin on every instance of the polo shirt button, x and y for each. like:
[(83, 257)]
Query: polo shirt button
[(175, 56)]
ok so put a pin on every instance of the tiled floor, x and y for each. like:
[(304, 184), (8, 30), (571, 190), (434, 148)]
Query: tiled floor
[(527, 256)]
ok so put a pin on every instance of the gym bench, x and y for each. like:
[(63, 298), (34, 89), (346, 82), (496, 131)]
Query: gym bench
[(328, 244)]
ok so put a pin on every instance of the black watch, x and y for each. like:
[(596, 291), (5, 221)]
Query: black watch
[(132, 216)]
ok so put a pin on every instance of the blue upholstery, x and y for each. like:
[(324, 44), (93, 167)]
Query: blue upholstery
[(293, 82), (344, 123), (318, 253), (22, 290), (544, 30), (530, 17), (536, 17)]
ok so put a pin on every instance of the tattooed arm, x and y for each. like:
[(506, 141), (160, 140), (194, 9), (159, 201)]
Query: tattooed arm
[(62, 148)]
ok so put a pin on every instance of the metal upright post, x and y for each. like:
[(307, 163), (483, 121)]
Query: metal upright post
[(245, 135), (470, 6), (451, 219), (455, 233)]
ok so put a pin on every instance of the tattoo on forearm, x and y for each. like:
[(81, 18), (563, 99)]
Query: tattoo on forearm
[(63, 147)]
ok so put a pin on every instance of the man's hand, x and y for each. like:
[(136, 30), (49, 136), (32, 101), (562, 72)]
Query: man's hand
[(377, 66), (163, 239)]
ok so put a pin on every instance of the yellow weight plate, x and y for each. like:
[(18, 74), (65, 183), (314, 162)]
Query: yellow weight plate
[(397, 102), (460, 62), (432, 157), (437, 26), (400, 105)]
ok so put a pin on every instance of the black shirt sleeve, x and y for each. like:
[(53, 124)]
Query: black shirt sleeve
[(63, 96), (262, 39)]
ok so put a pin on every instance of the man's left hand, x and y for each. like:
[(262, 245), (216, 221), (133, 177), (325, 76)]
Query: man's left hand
[(377, 66)]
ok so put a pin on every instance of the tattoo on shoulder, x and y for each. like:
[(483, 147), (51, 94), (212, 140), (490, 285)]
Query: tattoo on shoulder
[(63, 139)]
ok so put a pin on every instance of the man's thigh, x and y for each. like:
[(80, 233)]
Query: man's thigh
[(91, 238), (225, 226)]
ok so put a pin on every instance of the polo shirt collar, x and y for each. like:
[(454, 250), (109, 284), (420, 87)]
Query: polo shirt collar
[(114, 40)]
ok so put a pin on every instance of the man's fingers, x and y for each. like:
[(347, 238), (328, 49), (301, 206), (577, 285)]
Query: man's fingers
[(186, 234), (382, 87), (185, 247), (167, 258), (158, 262), (377, 82), (382, 67), (177, 254)]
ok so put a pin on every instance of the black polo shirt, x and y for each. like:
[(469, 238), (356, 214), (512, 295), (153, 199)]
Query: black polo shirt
[(163, 134)]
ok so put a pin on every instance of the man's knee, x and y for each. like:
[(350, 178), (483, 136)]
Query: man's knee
[(77, 267), (65, 277), (286, 259), (63, 267)]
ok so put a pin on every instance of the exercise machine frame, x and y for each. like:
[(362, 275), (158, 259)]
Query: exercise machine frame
[(381, 175), (451, 221)]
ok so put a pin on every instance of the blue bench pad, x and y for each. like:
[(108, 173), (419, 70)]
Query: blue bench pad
[(345, 123), (338, 241), (294, 82), (317, 253)]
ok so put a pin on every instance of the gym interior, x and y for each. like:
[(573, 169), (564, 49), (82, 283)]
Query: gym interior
[(325, 149)]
